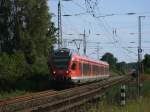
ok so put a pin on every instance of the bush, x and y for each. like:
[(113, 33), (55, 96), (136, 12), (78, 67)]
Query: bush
[(40, 66), (37, 77), (16, 73), (12, 68)]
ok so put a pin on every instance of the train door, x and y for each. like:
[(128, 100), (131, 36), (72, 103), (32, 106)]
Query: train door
[(81, 68), (74, 68), (91, 69)]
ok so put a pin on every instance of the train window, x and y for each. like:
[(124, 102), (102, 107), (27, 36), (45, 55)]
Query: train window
[(85, 68), (73, 67)]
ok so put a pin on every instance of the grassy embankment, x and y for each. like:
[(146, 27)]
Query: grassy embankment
[(110, 103), (140, 105), (4, 95)]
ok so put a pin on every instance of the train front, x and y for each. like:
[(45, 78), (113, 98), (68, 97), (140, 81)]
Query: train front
[(59, 62)]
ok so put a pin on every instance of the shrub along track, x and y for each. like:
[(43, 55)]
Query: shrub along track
[(57, 101)]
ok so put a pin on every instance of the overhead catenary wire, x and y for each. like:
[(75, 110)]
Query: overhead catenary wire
[(118, 42), (115, 41), (109, 34)]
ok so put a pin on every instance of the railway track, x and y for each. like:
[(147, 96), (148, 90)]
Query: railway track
[(58, 101)]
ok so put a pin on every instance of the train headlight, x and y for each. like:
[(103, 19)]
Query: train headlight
[(67, 71), (54, 72)]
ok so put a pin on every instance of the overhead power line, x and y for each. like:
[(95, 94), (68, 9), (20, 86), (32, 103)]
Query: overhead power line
[(110, 31)]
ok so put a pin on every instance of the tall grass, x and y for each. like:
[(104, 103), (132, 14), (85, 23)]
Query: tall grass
[(4, 95), (110, 103), (139, 105)]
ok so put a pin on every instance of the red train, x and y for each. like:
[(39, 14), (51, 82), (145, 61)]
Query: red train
[(65, 65)]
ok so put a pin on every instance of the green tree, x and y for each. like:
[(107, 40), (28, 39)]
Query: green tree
[(26, 35), (26, 25), (35, 30), (12, 68), (146, 63), (108, 57), (122, 67), (5, 26)]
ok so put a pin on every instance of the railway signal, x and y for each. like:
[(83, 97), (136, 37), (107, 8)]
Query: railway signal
[(123, 95)]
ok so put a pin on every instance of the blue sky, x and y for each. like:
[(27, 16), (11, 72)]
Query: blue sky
[(123, 44)]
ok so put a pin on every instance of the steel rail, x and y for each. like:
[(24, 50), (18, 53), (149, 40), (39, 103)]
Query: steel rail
[(26, 97), (54, 100), (70, 102)]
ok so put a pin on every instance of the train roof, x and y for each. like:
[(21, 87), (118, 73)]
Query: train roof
[(84, 58), (78, 57)]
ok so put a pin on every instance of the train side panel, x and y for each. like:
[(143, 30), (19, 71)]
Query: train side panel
[(65, 65), (90, 71)]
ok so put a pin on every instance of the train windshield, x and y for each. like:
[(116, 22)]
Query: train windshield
[(61, 59)]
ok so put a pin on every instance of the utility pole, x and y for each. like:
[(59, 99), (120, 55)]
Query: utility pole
[(59, 26), (139, 55), (65, 43), (77, 44), (84, 43)]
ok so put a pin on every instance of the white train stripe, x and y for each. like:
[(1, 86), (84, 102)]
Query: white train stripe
[(90, 77)]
